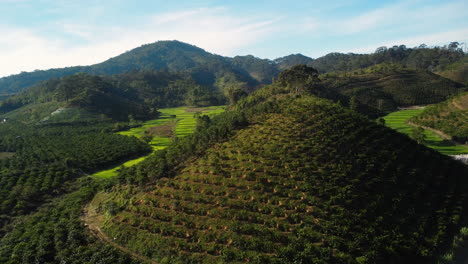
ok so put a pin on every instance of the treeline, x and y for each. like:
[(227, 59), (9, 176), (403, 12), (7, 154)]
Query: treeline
[(421, 57)]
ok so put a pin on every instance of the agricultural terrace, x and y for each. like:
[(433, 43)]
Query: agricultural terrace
[(398, 121), (173, 122)]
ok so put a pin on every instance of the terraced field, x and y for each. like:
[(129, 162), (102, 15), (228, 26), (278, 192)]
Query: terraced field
[(397, 120), (181, 119)]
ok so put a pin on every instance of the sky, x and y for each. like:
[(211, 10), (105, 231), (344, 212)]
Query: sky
[(43, 34)]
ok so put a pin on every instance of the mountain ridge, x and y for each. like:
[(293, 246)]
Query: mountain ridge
[(178, 56)]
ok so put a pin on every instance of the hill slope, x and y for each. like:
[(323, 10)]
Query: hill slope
[(83, 97), (387, 86), (305, 182), (450, 117)]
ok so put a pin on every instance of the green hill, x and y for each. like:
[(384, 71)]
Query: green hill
[(450, 117), (388, 86), (287, 178), (457, 71), (82, 97)]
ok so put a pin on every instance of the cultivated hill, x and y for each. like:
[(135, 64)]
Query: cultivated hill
[(450, 117), (388, 86), (287, 178)]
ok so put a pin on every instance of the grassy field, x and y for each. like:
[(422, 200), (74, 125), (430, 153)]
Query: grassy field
[(184, 124), (397, 120)]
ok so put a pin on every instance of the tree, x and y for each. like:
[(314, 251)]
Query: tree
[(353, 103), (418, 134)]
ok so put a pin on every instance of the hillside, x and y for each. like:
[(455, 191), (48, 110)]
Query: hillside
[(388, 86), (287, 178), (450, 117), (82, 97), (457, 71)]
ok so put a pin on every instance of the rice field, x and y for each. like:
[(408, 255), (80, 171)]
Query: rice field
[(397, 121), (185, 123)]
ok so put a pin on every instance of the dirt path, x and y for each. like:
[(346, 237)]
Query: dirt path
[(92, 220), (438, 132), (455, 103)]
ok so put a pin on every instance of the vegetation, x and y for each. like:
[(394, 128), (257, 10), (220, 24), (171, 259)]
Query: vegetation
[(384, 87), (450, 117), (289, 178), (247, 71), (180, 121), (47, 157), (399, 121)]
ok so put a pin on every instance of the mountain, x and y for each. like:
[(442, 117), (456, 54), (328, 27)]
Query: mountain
[(247, 72), (287, 177), (450, 117), (388, 86), (289, 61), (173, 56)]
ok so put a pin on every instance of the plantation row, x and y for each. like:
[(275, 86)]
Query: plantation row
[(47, 157)]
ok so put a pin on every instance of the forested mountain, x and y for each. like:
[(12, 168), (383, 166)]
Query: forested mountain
[(173, 56), (248, 71), (287, 177), (292, 60), (450, 117)]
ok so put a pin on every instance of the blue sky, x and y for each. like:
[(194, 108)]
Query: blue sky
[(42, 34)]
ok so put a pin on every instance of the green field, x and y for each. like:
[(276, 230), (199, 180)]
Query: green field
[(397, 120), (185, 124)]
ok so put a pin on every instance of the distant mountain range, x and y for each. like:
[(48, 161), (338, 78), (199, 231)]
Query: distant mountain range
[(175, 56)]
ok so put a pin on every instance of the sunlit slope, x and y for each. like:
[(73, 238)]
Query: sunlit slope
[(450, 117), (306, 182)]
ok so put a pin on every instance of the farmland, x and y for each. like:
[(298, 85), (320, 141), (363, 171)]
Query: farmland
[(397, 120), (282, 190), (182, 120)]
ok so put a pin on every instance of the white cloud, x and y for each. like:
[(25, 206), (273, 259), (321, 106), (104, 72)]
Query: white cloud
[(209, 28)]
